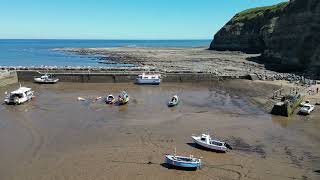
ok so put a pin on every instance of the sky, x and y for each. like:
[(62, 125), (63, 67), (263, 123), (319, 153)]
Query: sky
[(118, 19)]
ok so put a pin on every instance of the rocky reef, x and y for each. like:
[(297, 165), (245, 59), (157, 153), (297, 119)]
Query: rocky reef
[(287, 35)]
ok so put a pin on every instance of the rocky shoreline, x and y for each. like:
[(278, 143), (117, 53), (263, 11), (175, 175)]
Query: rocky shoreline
[(192, 60)]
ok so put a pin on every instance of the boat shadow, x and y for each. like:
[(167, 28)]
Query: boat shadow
[(168, 166), (194, 145)]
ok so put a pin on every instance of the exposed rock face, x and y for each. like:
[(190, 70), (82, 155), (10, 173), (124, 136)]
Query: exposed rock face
[(287, 34)]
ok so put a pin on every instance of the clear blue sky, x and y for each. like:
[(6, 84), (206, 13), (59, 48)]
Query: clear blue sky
[(119, 19)]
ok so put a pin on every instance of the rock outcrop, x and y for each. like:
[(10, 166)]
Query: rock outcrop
[(287, 34)]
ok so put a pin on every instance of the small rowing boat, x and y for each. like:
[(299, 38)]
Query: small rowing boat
[(174, 101), (183, 162), (110, 99), (123, 98)]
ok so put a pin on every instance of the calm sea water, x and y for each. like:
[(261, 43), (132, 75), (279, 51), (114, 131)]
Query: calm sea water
[(38, 52)]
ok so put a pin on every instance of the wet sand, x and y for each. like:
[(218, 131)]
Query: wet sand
[(57, 137)]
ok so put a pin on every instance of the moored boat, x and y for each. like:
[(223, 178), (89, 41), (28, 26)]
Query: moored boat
[(183, 162), (123, 98), (206, 141), (46, 79), (110, 99), (19, 96), (306, 109), (174, 101), (152, 79)]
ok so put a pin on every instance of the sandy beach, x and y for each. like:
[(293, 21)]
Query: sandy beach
[(57, 137)]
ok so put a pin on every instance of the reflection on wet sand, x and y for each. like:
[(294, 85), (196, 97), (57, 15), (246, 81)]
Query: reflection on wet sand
[(57, 137)]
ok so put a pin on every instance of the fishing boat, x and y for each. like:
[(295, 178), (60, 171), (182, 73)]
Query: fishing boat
[(206, 141), (110, 99), (123, 98), (19, 96), (152, 79), (46, 79), (306, 109), (183, 161), (174, 101)]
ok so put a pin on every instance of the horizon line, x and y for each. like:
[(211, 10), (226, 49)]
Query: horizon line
[(111, 39)]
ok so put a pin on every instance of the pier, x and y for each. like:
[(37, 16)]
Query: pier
[(121, 76)]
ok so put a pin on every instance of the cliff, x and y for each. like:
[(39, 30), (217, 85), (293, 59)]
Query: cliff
[(287, 34)]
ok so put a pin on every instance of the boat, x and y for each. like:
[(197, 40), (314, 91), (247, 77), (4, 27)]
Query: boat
[(174, 101), (46, 79), (183, 161), (306, 109), (152, 79), (19, 96), (206, 141), (304, 102), (123, 98), (110, 99)]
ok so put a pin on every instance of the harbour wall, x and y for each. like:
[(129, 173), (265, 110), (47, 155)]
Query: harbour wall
[(8, 77), (122, 77)]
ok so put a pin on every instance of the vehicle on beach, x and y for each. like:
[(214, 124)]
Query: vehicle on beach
[(46, 79), (110, 99), (123, 98), (306, 109), (152, 79), (174, 101), (183, 162), (206, 141), (19, 96)]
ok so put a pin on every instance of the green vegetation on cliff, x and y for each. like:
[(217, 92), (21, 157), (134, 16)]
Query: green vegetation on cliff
[(259, 11)]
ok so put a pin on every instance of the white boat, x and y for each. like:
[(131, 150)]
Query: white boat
[(306, 109), (174, 101), (46, 79), (110, 99), (123, 98), (206, 141), (304, 102), (19, 96), (153, 79)]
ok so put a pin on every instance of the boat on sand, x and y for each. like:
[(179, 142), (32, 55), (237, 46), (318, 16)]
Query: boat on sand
[(46, 79), (206, 141), (184, 162), (123, 98), (174, 101), (110, 99), (19, 96)]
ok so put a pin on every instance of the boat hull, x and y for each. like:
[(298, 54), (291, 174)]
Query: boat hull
[(209, 146), (40, 81), (148, 81), (179, 164)]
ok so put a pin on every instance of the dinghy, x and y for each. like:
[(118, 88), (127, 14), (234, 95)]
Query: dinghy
[(183, 162), (46, 79), (123, 98), (110, 99), (174, 101), (207, 142)]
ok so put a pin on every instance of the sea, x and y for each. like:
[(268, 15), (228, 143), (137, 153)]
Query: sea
[(38, 52)]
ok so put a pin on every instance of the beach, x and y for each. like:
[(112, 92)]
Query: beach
[(57, 137)]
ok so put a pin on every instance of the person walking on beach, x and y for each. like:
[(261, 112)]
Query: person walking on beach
[(317, 90)]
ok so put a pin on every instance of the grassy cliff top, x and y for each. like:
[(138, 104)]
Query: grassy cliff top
[(259, 11)]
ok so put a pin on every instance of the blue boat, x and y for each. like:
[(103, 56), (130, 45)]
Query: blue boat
[(183, 162)]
